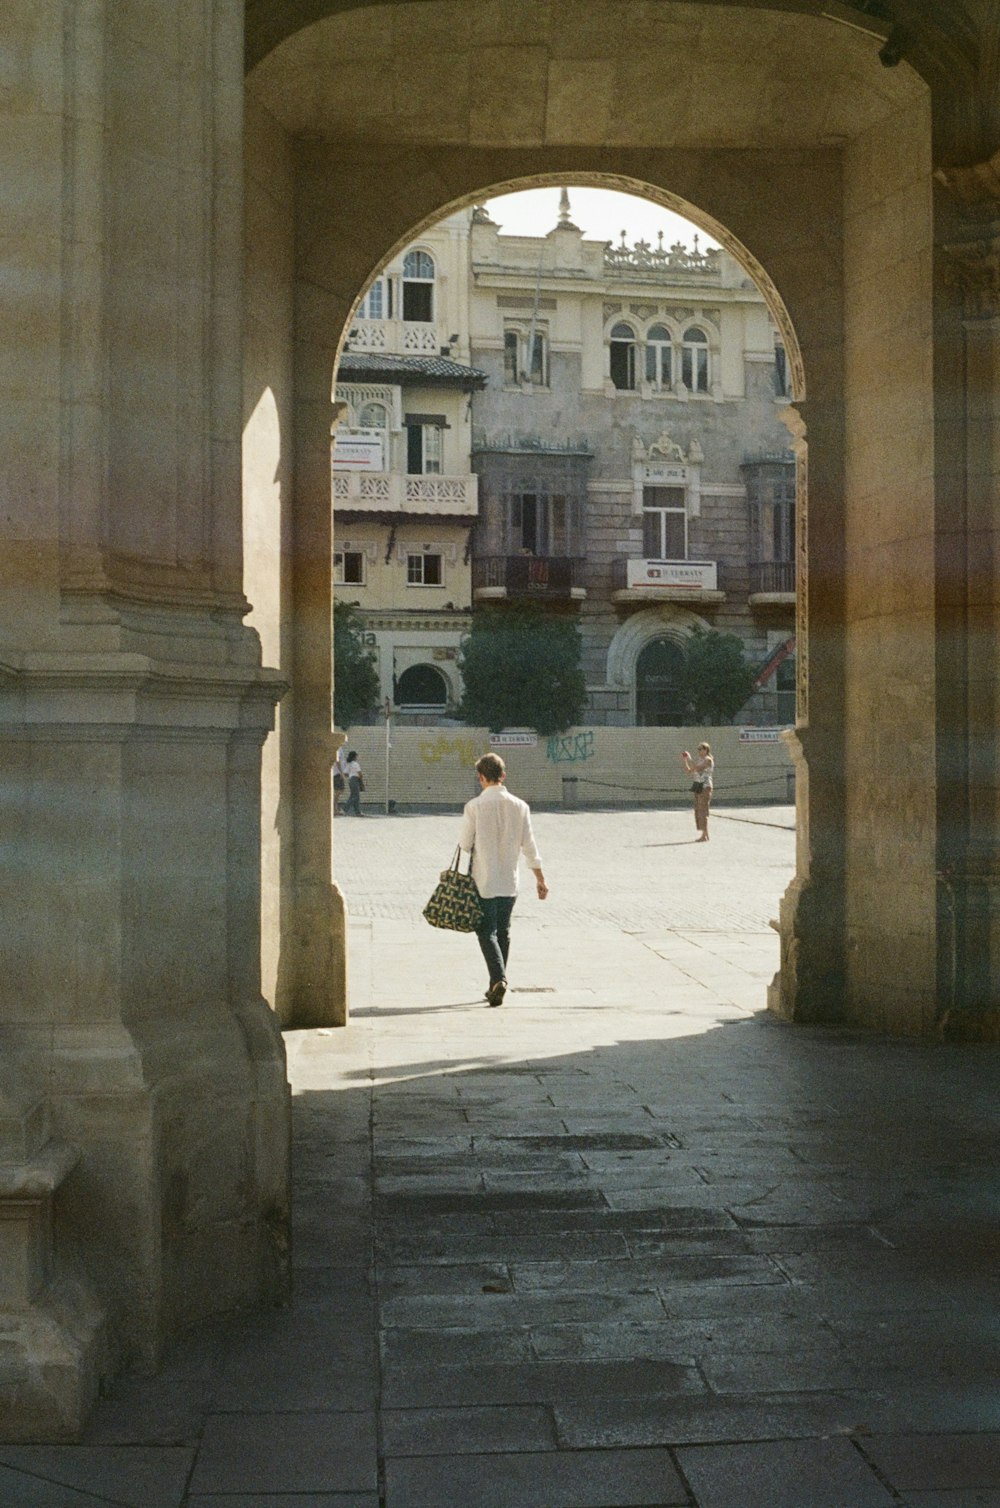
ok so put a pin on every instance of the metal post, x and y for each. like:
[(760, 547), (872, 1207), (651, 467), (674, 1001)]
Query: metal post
[(388, 746)]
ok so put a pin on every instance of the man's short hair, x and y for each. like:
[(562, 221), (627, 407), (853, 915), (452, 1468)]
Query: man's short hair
[(491, 767)]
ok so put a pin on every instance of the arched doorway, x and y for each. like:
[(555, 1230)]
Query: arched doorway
[(658, 675), (768, 214), (421, 688)]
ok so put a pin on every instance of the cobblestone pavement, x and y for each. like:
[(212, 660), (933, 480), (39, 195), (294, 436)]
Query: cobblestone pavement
[(625, 1241)]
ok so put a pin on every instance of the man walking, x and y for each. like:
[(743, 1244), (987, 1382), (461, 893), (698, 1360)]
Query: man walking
[(496, 830)]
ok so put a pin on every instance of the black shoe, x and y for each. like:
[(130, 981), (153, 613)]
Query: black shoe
[(496, 992)]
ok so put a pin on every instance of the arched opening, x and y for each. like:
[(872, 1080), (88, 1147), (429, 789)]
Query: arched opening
[(807, 158), (421, 688), (658, 675)]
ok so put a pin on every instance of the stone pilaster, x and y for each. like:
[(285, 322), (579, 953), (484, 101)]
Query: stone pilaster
[(969, 842), (810, 983)]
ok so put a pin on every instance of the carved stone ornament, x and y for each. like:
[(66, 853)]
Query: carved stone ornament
[(667, 448), (974, 270), (610, 309)]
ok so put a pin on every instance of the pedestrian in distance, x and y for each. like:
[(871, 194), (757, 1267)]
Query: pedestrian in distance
[(356, 783), (701, 768), (339, 780), (496, 830)]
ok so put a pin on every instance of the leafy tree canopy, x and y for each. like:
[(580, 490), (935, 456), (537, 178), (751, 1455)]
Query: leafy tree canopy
[(521, 668), (716, 680), (355, 679)]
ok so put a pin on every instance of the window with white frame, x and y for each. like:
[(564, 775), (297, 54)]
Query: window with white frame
[(423, 448), (623, 357), (659, 358), (516, 365), (348, 568), (377, 302), (694, 361), (664, 523), (424, 569), (418, 287)]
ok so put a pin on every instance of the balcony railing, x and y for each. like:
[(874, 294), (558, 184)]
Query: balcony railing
[(772, 577), (547, 576), (396, 337), (392, 492)]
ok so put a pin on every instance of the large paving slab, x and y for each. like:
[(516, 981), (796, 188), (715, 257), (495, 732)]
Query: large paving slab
[(625, 1240)]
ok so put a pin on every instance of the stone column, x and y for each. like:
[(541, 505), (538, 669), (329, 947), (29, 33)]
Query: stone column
[(968, 435), (149, 1135), (810, 983)]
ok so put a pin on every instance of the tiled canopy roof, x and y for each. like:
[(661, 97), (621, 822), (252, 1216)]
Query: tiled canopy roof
[(428, 371)]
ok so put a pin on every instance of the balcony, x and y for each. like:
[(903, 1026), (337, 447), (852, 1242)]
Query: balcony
[(397, 337), (549, 578), (392, 492), (665, 581), (772, 583)]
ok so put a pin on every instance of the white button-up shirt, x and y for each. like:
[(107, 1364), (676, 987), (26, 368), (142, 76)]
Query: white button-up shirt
[(499, 826)]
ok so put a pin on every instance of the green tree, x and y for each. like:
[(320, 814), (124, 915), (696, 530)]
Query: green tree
[(521, 668), (355, 679), (716, 680)]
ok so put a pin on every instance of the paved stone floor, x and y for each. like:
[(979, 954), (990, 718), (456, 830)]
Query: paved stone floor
[(624, 1241)]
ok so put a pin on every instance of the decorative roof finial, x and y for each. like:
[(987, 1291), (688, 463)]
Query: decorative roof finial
[(565, 218)]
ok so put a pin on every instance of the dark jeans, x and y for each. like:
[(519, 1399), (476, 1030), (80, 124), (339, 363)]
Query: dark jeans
[(494, 934), (354, 800)]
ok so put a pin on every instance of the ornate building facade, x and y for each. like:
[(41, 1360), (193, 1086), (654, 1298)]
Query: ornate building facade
[(632, 460)]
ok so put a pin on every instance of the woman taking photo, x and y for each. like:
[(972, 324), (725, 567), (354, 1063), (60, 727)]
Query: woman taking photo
[(700, 769)]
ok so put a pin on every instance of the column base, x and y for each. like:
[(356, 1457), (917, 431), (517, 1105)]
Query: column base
[(312, 978)]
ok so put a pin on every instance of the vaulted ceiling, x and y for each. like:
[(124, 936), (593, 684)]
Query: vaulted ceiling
[(604, 73), (938, 33)]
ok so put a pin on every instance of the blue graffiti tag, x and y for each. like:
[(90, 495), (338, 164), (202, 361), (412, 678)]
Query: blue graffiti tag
[(570, 748)]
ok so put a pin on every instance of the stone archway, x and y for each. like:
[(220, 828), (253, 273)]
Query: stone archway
[(136, 699), (637, 633)]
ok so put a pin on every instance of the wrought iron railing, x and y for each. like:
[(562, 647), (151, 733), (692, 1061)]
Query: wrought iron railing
[(528, 575), (772, 576)]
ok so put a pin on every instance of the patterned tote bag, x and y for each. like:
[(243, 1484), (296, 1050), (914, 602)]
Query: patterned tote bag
[(455, 902)]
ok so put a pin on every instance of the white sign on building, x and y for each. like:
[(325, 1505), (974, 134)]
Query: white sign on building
[(359, 450), (688, 575)]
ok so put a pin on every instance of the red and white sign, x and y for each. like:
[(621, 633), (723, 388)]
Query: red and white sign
[(692, 576), (359, 450)]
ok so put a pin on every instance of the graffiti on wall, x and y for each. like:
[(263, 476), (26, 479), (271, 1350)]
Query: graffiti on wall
[(570, 748), (434, 750)]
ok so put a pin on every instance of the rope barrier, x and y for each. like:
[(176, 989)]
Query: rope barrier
[(658, 790)]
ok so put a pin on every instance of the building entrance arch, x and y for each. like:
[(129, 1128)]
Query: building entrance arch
[(149, 627)]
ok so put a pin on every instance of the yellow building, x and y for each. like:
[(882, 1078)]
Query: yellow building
[(405, 496)]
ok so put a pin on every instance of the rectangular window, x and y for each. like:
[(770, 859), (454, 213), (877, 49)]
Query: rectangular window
[(418, 301), (623, 365), (664, 523), (539, 361), (348, 568), (511, 358), (373, 305), (423, 449), (423, 570)]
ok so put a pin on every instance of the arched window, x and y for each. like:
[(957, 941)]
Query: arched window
[(659, 676), (422, 687), (694, 361), (373, 416), (418, 286), (623, 357), (659, 358)]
